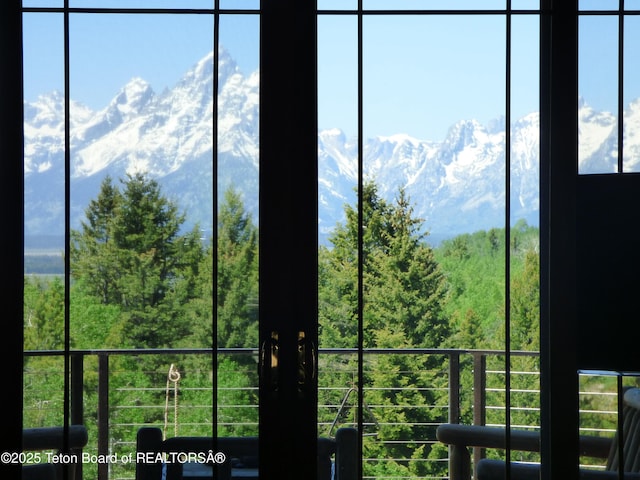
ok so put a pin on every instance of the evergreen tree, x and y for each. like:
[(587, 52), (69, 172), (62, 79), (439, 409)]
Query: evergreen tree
[(95, 241), (403, 294), (237, 280), (130, 253), (237, 294), (404, 288), (524, 327), (525, 305), (237, 312)]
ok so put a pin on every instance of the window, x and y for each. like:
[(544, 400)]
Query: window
[(608, 88), (407, 102), (559, 129)]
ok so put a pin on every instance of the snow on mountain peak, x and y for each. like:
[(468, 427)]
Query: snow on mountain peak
[(202, 70), (400, 138), (44, 129), (46, 111), (132, 98), (170, 136), (595, 130), (332, 135)]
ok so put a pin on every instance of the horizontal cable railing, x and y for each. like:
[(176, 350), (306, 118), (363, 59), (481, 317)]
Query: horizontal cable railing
[(116, 392)]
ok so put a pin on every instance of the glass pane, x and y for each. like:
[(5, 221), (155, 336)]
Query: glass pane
[(598, 87), (434, 204), (237, 249), (44, 141), (240, 4), (43, 3), (337, 259), (44, 290), (631, 5), (598, 4), (598, 411), (150, 4), (434, 4), (524, 242), (141, 219), (525, 4), (337, 120), (525, 118), (603, 404), (631, 158), (337, 4)]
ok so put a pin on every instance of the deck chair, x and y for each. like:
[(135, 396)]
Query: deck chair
[(461, 438), (52, 438)]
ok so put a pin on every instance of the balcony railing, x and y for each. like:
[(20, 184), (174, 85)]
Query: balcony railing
[(108, 396)]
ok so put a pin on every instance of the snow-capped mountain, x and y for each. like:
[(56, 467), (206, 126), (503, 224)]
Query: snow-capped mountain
[(168, 135), (456, 185)]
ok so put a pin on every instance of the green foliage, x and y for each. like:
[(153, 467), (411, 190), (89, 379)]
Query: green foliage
[(43, 314), (130, 253), (239, 378), (403, 293), (475, 274), (403, 286), (236, 260), (525, 305), (43, 391), (237, 292), (43, 330), (139, 281), (93, 323), (475, 266)]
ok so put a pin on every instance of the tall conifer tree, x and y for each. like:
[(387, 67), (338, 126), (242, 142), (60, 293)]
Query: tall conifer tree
[(130, 252), (403, 295)]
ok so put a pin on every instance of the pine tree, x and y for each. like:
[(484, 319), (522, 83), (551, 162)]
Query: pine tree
[(130, 252), (237, 275), (237, 312), (237, 280), (404, 288), (95, 241), (403, 295), (524, 329)]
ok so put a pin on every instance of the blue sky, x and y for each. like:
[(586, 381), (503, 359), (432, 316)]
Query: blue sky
[(421, 74)]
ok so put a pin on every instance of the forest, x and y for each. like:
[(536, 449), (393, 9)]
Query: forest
[(138, 280)]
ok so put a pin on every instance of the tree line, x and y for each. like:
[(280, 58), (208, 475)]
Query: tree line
[(140, 281)]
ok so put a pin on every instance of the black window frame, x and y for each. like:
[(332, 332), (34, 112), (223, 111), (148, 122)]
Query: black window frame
[(558, 106)]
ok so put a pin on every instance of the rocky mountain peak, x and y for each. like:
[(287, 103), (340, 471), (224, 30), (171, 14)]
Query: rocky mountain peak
[(457, 185)]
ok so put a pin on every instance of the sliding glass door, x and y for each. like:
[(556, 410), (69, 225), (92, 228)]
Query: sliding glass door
[(170, 260), (429, 135), (277, 229)]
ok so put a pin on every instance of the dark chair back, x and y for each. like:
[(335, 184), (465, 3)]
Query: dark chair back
[(630, 435), (334, 455), (53, 438)]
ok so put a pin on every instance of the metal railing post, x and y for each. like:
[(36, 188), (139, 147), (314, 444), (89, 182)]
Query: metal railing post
[(103, 414), (454, 387), (454, 408), (479, 400), (77, 400)]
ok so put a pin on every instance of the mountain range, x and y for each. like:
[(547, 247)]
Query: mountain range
[(456, 185)]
